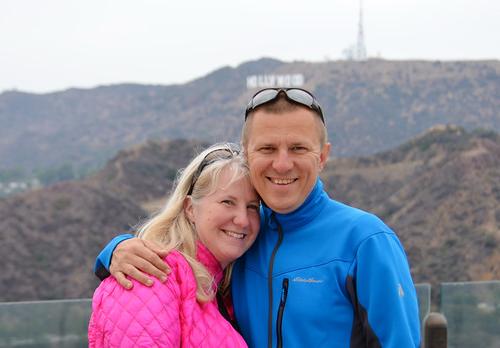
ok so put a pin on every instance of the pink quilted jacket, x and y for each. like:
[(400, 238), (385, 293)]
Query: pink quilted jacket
[(164, 315)]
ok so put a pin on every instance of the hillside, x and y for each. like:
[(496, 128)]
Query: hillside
[(146, 172), (370, 106), (440, 192), (50, 237)]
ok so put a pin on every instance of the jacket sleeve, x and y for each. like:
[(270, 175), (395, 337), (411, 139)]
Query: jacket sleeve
[(140, 317), (387, 300), (103, 260)]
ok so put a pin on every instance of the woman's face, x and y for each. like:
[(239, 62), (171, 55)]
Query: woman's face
[(227, 221)]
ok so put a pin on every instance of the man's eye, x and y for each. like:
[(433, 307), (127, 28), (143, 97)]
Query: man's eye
[(299, 148), (266, 149)]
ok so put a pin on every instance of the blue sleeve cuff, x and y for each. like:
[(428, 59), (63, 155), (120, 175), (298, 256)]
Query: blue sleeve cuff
[(103, 260)]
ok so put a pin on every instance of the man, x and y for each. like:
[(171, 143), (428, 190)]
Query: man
[(321, 274)]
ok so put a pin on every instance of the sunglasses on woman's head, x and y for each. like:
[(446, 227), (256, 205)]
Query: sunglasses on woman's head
[(213, 156)]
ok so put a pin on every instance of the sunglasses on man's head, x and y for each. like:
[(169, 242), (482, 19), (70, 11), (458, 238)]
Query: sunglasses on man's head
[(296, 95), (213, 156)]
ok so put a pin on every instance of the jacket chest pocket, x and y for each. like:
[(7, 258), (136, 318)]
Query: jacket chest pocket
[(304, 299)]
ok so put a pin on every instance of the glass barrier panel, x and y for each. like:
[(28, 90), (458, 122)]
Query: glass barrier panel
[(472, 310), (44, 324), (424, 301)]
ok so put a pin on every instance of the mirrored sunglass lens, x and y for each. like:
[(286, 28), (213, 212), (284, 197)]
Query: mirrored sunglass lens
[(263, 97), (300, 97)]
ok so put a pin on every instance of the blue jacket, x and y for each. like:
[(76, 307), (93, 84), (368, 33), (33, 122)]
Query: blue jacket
[(325, 275), (340, 278)]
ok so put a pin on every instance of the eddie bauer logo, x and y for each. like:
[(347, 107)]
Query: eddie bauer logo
[(308, 280)]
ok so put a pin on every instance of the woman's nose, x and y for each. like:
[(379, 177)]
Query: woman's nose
[(241, 217)]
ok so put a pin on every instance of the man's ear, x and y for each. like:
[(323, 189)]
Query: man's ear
[(188, 208), (323, 156)]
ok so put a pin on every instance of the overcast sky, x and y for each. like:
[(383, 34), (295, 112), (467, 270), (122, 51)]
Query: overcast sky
[(49, 45)]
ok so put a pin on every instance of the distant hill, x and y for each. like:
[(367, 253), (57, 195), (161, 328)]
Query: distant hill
[(146, 172), (50, 237), (370, 106), (440, 192)]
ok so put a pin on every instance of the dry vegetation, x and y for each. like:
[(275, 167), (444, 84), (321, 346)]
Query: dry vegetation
[(440, 192)]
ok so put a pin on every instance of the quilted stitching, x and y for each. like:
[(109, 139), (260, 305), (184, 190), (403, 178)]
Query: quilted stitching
[(164, 315)]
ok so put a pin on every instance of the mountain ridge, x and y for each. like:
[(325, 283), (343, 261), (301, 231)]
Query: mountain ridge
[(369, 106), (440, 192)]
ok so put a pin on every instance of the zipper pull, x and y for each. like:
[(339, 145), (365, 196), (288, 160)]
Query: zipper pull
[(284, 290)]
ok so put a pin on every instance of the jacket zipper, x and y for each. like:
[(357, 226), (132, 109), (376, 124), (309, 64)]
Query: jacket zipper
[(270, 285), (281, 309)]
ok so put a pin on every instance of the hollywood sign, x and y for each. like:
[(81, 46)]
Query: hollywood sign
[(263, 81)]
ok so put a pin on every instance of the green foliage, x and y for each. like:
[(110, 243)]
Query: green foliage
[(171, 174), (490, 241), (62, 203), (9, 175), (64, 172), (485, 133), (53, 175)]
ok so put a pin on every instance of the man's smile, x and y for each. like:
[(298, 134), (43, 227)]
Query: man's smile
[(282, 181)]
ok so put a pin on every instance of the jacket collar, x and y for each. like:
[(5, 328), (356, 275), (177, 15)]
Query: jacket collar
[(208, 260), (302, 215)]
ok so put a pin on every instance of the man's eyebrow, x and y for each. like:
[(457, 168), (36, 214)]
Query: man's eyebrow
[(301, 143)]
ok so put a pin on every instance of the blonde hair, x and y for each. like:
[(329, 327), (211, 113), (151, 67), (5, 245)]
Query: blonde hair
[(280, 106), (172, 228)]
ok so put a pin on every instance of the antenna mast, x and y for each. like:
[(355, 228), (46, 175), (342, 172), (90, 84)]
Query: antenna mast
[(360, 45)]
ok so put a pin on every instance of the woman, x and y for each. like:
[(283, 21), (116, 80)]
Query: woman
[(210, 220)]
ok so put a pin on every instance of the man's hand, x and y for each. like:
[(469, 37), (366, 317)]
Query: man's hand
[(136, 257)]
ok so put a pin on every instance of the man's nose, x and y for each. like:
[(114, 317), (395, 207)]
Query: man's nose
[(282, 163)]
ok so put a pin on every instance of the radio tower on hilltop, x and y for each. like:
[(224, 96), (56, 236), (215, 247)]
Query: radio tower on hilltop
[(360, 53), (358, 50)]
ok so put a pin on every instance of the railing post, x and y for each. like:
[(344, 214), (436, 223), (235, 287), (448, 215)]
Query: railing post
[(435, 331)]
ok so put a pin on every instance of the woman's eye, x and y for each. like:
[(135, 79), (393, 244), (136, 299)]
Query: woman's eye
[(254, 207), (227, 202)]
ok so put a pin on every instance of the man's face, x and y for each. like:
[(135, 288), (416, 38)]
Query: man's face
[(285, 156)]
